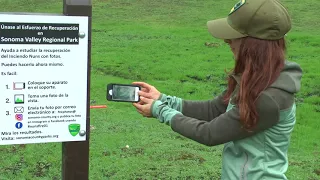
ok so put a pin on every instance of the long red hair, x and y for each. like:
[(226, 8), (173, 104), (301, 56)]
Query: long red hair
[(258, 63)]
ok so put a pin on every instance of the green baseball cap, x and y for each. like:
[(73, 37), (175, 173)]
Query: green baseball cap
[(262, 19)]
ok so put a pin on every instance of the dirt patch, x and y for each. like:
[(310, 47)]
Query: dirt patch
[(187, 156), (315, 92), (106, 153), (191, 92), (297, 163), (55, 178), (99, 30), (109, 173), (41, 169), (208, 78), (316, 103), (15, 168), (13, 148), (154, 172), (198, 147), (127, 152), (197, 78), (114, 129), (209, 44), (111, 72)]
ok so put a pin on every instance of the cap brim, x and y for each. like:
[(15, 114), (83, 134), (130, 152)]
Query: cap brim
[(220, 29)]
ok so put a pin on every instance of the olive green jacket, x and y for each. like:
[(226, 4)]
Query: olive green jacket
[(260, 154)]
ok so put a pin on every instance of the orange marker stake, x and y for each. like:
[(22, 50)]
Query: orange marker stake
[(98, 107)]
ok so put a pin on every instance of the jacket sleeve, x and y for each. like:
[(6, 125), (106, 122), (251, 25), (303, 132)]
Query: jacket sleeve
[(202, 110), (205, 110), (224, 128)]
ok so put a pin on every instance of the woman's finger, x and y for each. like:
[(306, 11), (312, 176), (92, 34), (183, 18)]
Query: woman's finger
[(142, 84), (138, 106), (144, 89), (140, 102), (144, 94), (146, 100)]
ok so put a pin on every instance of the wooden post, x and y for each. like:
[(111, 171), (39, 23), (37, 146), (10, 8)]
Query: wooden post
[(75, 155)]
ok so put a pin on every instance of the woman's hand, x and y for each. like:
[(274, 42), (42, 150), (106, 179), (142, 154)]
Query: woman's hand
[(148, 91), (144, 106)]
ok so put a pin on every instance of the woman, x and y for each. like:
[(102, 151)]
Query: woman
[(255, 115)]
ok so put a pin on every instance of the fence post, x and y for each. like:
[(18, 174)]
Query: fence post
[(75, 155)]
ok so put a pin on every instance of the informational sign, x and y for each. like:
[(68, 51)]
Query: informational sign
[(43, 78)]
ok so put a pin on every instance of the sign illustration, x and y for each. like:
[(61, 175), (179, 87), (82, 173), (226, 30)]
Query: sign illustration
[(19, 85), (18, 98), (19, 117), (18, 109), (19, 125), (74, 129)]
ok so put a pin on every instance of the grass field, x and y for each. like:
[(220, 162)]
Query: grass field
[(166, 44)]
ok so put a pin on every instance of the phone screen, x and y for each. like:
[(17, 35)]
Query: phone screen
[(125, 93)]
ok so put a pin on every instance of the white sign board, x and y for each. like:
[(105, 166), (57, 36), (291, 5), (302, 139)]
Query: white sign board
[(43, 78)]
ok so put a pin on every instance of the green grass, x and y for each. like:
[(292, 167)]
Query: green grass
[(163, 43)]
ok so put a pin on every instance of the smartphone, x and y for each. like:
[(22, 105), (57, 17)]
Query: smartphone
[(123, 92)]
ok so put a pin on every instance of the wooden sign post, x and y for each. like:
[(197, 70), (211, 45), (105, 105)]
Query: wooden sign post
[(75, 155)]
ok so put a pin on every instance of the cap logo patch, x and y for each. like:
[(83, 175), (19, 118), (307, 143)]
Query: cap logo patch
[(237, 6)]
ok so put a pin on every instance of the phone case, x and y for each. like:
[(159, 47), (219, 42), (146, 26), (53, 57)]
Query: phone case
[(110, 87)]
